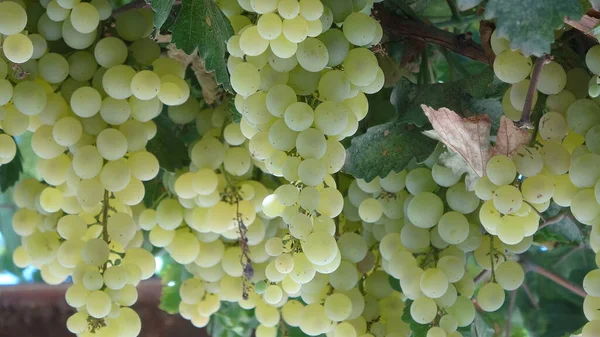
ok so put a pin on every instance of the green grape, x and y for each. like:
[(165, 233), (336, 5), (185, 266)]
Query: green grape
[(453, 227), (414, 238), (564, 190), (528, 161), (40, 45), (553, 79), (592, 139), (237, 161), (592, 60), (490, 297), (484, 188), (425, 210), (295, 29), (252, 43), (173, 90), (508, 199), (8, 149), (84, 17), (117, 81), (556, 158), (95, 252), (423, 310), (282, 138), (582, 115), (370, 210), (145, 85), (134, 24), (420, 180), (501, 170), (434, 283), (337, 46), (312, 55), (518, 95), (76, 39), (498, 44), (29, 98), (263, 6), (509, 110), (453, 268), (269, 26), (510, 275), (591, 329), (584, 170), (511, 229), (312, 171), (584, 205), (303, 81), (51, 199), (461, 200), (334, 86), (512, 67), (359, 28), (360, 66), (537, 189), (13, 18), (110, 52), (444, 176), (288, 9), (299, 116), (553, 127)]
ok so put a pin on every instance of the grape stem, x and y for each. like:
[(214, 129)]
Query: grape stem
[(529, 294), (535, 210), (481, 276), (492, 257), (532, 267), (525, 121), (511, 309), (105, 208), (454, 10)]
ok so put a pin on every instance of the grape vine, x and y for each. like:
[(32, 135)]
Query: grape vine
[(270, 174)]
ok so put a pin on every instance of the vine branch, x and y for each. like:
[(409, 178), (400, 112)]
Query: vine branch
[(555, 219), (532, 267), (398, 27), (525, 121)]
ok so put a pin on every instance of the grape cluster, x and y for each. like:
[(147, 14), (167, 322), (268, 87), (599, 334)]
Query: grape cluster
[(91, 118), (562, 166)]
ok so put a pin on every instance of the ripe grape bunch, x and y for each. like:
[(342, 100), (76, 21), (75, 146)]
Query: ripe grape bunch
[(91, 118)]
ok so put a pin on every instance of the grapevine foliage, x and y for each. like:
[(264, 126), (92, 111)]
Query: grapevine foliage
[(203, 27)]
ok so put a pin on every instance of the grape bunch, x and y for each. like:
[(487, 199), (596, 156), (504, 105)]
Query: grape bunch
[(91, 118), (562, 166)]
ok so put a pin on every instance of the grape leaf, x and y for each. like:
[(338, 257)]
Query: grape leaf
[(408, 97), (171, 277), (509, 138), (530, 25), (10, 172), (161, 9), (169, 149), (201, 25), (468, 137), (386, 147), (464, 5)]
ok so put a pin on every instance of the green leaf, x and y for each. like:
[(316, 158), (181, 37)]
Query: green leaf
[(10, 173), (408, 97), (201, 25), (394, 283), (172, 275), (530, 25), (170, 151), (161, 9), (386, 147)]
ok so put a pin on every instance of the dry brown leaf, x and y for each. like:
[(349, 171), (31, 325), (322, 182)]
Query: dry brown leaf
[(469, 137), (509, 138), (210, 88)]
